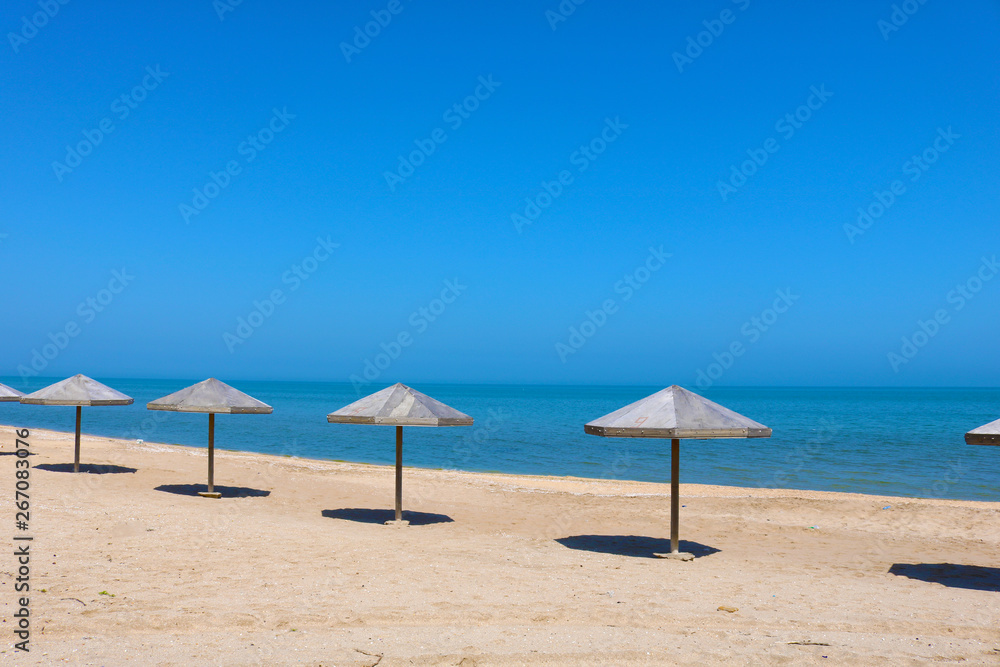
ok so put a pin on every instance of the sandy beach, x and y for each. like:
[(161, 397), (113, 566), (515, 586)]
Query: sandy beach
[(293, 566)]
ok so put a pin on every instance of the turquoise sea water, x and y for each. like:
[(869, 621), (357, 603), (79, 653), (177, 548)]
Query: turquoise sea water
[(900, 442)]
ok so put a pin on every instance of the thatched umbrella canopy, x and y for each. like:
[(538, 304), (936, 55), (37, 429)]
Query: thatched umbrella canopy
[(9, 394), (78, 390), (399, 406), (984, 435), (212, 397), (676, 413)]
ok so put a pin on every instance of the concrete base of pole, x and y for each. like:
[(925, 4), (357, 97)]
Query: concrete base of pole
[(401, 522), (209, 494), (676, 555)]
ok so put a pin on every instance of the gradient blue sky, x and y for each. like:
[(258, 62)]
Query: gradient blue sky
[(655, 185)]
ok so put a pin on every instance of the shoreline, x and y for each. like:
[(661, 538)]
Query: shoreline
[(562, 483), (819, 444)]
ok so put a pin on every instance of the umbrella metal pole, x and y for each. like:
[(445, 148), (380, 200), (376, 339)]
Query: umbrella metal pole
[(399, 473), (76, 454), (211, 452), (675, 510)]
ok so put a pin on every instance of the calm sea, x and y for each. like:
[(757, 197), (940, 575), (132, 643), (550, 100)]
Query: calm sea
[(900, 442)]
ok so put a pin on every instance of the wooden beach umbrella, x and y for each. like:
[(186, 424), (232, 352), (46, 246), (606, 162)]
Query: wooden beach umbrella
[(399, 406), (213, 397), (9, 394), (984, 435), (676, 413), (78, 390)]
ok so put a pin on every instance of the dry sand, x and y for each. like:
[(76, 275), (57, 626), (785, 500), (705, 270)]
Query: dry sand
[(529, 570)]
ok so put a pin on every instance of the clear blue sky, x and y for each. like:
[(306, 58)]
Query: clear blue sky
[(672, 131)]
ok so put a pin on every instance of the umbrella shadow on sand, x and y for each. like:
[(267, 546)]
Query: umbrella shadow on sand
[(636, 546), (226, 491), (362, 515), (974, 577), (92, 468)]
